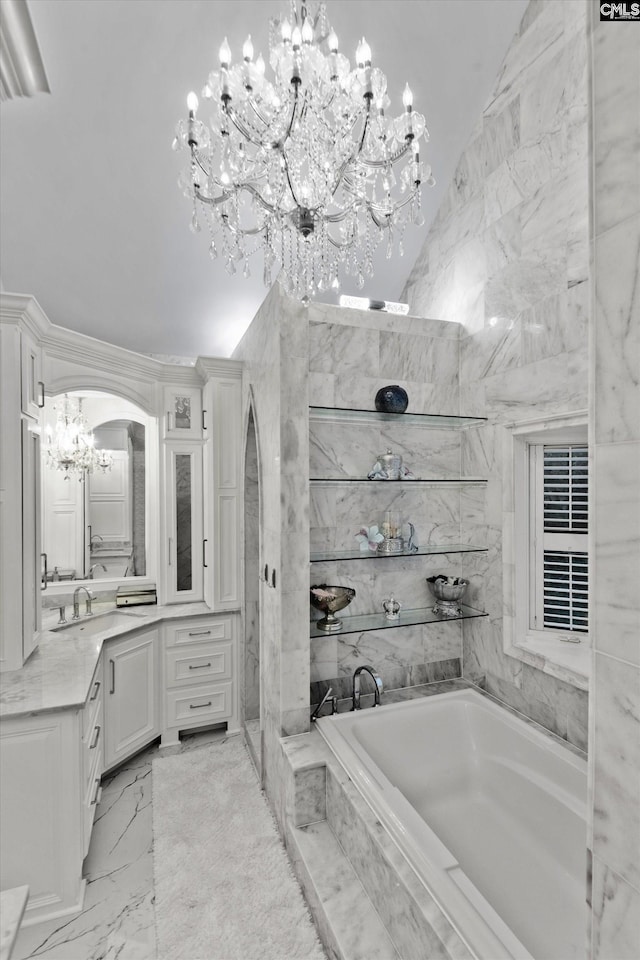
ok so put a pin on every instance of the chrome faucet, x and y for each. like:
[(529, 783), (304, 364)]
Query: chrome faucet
[(334, 705), (93, 567), (76, 603), (356, 686)]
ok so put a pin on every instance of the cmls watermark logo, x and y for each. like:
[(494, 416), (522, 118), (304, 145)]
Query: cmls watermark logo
[(620, 11)]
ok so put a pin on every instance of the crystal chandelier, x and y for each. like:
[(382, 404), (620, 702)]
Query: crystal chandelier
[(70, 447), (306, 166)]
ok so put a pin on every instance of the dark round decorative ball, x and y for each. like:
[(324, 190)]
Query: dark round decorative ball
[(392, 399)]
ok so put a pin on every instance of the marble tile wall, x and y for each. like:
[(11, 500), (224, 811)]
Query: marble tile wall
[(251, 678), (508, 259), (275, 383), (615, 439)]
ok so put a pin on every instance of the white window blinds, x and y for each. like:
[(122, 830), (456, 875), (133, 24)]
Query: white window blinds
[(559, 518)]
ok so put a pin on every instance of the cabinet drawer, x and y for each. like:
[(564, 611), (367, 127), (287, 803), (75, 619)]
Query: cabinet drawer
[(199, 631), (201, 704), (199, 663)]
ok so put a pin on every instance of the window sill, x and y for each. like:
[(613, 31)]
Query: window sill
[(570, 662)]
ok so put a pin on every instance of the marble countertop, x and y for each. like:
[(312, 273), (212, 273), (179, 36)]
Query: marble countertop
[(58, 674), (12, 904)]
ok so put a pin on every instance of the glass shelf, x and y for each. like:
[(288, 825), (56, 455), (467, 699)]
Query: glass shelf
[(378, 621), (323, 556), (381, 483), (373, 416)]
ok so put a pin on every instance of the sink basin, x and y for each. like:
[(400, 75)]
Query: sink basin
[(97, 623)]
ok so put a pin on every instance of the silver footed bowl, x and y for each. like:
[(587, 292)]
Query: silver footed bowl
[(443, 590), (329, 599), (448, 593)]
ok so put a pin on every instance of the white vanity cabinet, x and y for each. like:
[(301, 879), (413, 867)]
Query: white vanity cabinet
[(50, 767), (200, 673), (131, 703)]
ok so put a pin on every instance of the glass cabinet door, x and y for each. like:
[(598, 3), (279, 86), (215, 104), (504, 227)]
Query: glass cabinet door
[(185, 549), (183, 415)]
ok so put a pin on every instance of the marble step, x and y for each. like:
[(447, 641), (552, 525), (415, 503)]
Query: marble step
[(349, 926)]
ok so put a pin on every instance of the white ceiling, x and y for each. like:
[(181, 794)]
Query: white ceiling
[(93, 224)]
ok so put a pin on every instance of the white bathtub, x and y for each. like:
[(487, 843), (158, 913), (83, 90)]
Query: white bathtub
[(489, 811)]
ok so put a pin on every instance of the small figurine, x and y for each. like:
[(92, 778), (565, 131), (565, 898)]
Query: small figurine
[(391, 608)]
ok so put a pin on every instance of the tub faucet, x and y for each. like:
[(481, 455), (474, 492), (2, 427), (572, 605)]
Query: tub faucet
[(93, 567), (356, 686), (76, 603)]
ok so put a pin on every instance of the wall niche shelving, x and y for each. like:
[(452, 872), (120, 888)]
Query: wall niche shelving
[(360, 623)]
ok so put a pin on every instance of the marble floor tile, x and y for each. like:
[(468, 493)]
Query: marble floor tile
[(117, 920)]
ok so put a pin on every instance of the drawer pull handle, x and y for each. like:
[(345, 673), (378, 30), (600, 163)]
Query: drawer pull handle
[(93, 745), (199, 666), (198, 706), (96, 688), (199, 633), (97, 794)]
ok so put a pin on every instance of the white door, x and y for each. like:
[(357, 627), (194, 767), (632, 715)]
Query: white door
[(131, 701)]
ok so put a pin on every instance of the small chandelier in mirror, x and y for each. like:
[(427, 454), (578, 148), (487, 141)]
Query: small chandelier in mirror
[(305, 167), (70, 446)]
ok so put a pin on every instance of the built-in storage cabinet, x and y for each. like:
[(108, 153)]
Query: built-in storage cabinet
[(183, 413), (186, 549), (222, 485), (386, 493), (50, 768), (200, 675), (131, 712), (21, 395)]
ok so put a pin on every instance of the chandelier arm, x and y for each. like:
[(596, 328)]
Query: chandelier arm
[(243, 129), (398, 155), (212, 201)]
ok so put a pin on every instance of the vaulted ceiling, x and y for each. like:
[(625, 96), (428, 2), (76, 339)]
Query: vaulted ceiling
[(93, 223)]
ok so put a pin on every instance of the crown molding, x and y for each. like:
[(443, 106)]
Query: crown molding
[(209, 367), (22, 72), (22, 308)]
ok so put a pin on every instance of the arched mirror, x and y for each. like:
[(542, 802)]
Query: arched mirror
[(95, 487)]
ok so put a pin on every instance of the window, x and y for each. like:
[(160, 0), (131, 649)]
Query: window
[(544, 544), (558, 567)]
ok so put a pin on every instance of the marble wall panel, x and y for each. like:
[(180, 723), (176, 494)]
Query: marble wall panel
[(616, 915), (394, 676), (616, 755), (617, 134), (530, 53), (501, 134), (616, 517), (468, 176), (382, 320), (617, 332)]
